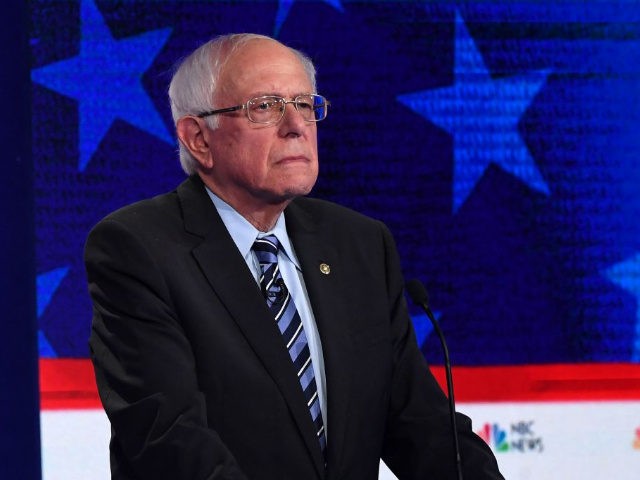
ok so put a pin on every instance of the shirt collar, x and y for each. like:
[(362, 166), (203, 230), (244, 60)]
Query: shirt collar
[(244, 234)]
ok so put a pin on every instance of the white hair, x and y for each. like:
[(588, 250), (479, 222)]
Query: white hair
[(196, 77)]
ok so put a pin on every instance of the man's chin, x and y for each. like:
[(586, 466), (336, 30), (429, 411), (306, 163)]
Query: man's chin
[(291, 193), (301, 190)]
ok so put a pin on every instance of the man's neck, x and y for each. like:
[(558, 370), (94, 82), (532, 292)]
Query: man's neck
[(263, 219), (262, 215)]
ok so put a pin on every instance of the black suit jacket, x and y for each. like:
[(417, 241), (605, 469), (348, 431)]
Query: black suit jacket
[(195, 378)]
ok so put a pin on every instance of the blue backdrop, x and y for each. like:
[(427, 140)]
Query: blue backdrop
[(497, 139)]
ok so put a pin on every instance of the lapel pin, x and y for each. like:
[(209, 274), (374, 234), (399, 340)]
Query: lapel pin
[(325, 268)]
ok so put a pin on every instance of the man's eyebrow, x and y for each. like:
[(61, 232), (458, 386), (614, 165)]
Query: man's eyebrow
[(264, 93)]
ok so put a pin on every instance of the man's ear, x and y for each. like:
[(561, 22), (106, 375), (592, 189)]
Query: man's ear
[(192, 133)]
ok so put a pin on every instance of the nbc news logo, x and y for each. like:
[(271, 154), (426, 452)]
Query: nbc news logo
[(519, 437)]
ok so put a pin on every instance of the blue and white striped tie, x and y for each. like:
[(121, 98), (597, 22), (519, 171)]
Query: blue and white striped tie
[(284, 311)]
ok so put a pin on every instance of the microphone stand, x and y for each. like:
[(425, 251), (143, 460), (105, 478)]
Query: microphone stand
[(419, 296)]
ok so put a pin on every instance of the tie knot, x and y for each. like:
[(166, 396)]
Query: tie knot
[(267, 246)]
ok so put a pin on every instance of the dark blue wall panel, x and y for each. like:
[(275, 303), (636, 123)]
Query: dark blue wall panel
[(19, 406)]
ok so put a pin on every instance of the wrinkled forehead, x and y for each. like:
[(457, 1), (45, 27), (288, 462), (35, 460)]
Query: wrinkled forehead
[(259, 60)]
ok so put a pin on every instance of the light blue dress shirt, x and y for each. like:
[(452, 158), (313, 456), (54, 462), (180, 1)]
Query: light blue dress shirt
[(244, 234)]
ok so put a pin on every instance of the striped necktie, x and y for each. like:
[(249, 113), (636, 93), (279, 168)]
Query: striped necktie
[(284, 311)]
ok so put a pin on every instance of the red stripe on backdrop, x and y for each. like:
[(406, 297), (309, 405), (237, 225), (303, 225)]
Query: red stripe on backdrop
[(67, 383), (545, 383), (70, 384)]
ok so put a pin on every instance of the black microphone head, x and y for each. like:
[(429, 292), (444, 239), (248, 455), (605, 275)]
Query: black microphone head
[(417, 292)]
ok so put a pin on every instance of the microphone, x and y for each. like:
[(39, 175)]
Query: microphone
[(419, 296)]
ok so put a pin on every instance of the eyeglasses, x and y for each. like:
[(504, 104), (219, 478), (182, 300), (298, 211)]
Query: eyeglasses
[(269, 109)]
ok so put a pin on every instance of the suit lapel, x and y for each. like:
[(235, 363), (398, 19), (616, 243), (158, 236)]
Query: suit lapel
[(321, 266), (231, 280)]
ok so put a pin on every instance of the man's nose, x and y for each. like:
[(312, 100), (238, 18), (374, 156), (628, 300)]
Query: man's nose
[(293, 122)]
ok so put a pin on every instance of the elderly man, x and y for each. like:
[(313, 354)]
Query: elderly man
[(242, 331)]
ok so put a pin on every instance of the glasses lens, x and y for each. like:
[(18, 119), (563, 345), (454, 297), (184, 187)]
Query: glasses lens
[(265, 109), (312, 107), (270, 109)]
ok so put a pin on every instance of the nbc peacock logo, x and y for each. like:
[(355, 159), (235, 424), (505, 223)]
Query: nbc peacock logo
[(494, 436), (518, 437)]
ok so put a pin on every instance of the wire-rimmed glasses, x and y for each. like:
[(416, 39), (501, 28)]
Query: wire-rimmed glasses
[(269, 109)]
